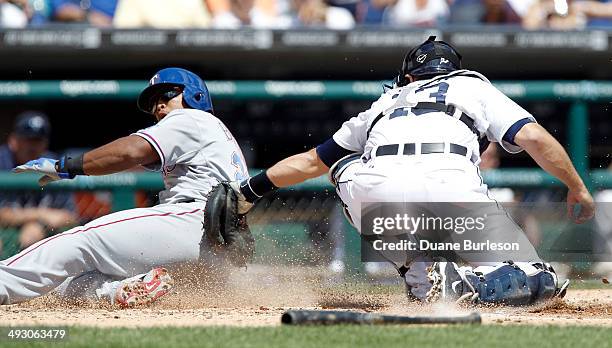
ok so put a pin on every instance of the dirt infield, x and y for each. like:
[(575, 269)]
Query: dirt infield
[(258, 298)]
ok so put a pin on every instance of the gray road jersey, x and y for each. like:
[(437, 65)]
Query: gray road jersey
[(196, 151)]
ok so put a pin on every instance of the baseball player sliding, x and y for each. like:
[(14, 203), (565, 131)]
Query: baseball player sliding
[(421, 142), (118, 257)]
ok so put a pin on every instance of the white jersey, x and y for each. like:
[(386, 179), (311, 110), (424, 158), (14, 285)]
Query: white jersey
[(196, 152), (471, 93)]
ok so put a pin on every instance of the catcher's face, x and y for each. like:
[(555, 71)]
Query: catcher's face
[(167, 101)]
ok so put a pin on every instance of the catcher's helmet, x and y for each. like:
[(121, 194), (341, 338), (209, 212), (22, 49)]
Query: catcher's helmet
[(429, 58), (195, 92)]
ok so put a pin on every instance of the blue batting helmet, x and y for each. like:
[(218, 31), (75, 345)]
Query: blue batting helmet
[(195, 92), (429, 58)]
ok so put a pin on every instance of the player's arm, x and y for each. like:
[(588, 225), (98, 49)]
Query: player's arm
[(550, 155), (290, 171), (119, 155), (296, 169)]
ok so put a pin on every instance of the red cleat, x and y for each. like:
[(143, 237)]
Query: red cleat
[(143, 291)]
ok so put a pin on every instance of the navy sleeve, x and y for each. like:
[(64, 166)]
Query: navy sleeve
[(330, 152), (515, 128)]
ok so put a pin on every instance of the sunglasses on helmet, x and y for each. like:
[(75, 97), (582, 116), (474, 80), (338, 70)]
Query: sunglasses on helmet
[(165, 95)]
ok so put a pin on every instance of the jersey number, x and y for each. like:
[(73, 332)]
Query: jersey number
[(400, 109), (240, 173), (440, 94)]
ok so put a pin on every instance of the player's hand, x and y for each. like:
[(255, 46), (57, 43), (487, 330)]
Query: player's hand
[(583, 198), (44, 166), (243, 205)]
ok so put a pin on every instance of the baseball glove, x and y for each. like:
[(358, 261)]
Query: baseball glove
[(225, 231)]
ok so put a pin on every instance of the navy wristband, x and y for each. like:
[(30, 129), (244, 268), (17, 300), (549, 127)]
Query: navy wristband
[(255, 187), (73, 166)]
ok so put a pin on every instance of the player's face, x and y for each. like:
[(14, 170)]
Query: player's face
[(166, 101)]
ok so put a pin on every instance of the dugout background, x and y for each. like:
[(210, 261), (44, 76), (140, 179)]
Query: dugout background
[(270, 130)]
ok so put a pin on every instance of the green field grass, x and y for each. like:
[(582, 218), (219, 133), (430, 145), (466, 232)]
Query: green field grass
[(332, 336)]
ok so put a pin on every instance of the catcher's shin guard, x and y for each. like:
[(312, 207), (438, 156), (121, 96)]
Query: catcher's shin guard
[(504, 284)]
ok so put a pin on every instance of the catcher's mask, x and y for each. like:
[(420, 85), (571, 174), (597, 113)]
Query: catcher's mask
[(429, 58), (195, 92)]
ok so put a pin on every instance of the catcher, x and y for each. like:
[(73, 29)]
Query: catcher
[(118, 257), (421, 142)]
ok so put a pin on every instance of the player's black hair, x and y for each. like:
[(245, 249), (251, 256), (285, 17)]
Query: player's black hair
[(425, 77)]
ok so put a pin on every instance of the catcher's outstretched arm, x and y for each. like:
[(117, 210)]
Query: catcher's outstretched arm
[(550, 155), (296, 169), (290, 171)]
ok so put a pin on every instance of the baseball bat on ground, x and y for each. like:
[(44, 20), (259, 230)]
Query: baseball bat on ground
[(305, 317)]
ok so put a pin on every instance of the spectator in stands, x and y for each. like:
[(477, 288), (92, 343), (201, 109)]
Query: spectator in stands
[(98, 13), (416, 13), (230, 14), (38, 213), (274, 14), (602, 240), (597, 13), (271, 14), (350, 5), (41, 12), (317, 13), (220, 14), (466, 11), (553, 14), (490, 160), (372, 12), (14, 13), (165, 14), (498, 12)]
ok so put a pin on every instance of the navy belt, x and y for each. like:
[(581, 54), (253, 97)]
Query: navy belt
[(426, 148)]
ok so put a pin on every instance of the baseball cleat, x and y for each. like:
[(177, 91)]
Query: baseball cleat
[(143, 291), (562, 291), (449, 282), (441, 275)]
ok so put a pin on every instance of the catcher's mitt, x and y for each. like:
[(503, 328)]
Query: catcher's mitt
[(226, 231)]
